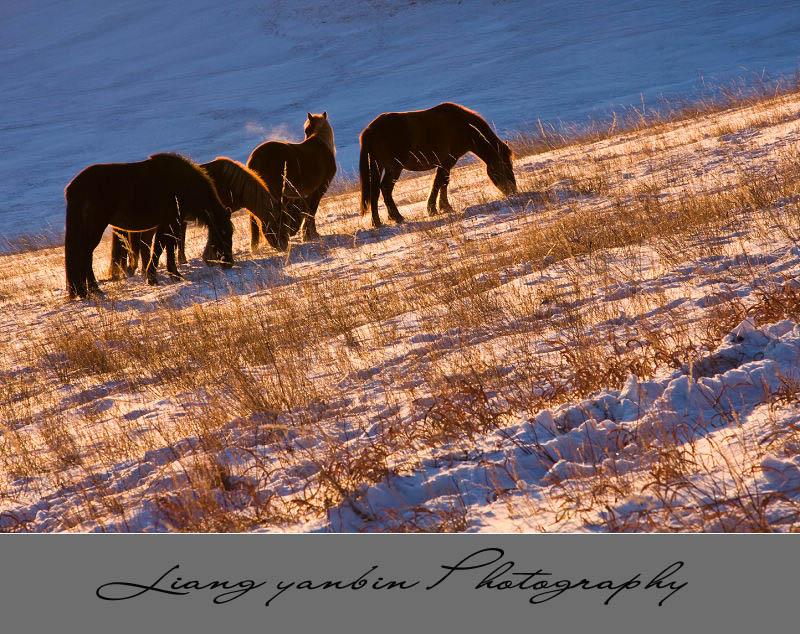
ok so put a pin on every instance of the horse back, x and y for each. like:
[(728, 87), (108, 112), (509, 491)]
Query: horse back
[(420, 139), (314, 152), (268, 161), (124, 195), (307, 166)]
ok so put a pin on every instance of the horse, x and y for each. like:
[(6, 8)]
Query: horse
[(237, 186), (426, 139), (157, 193), (297, 174)]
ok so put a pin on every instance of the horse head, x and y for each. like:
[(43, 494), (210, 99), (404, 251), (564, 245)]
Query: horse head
[(501, 171), (317, 125), (219, 248)]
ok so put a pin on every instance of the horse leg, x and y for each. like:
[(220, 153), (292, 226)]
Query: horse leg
[(170, 243), (265, 224), (131, 255), (374, 191), (296, 212), (172, 268), (434, 193), (139, 242), (93, 239), (139, 249), (182, 243), (438, 182), (119, 255), (443, 175), (282, 241), (310, 223), (153, 251), (285, 224), (169, 239), (255, 233), (74, 252), (388, 181)]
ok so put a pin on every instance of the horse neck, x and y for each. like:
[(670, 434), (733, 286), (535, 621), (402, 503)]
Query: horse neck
[(484, 142), (325, 135), (255, 197), (200, 204)]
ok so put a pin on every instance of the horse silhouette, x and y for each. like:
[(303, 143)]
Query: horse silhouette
[(237, 186), (426, 139), (298, 175), (155, 194)]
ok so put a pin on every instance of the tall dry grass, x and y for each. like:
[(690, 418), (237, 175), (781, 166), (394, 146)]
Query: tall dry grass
[(253, 403)]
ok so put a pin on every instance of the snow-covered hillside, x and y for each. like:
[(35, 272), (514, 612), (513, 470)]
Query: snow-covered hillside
[(614, 348), (95, 81)]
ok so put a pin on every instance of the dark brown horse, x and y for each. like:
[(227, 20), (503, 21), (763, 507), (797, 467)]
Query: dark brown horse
[(154, 194), (298, 174), (422, 140), (237, 186)]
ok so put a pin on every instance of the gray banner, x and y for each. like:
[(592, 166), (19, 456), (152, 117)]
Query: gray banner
[(369, 583)]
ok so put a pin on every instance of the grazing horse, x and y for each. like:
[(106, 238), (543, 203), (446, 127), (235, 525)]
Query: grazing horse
[(298, 174), (422, 140), (237, 186), (157, 193)]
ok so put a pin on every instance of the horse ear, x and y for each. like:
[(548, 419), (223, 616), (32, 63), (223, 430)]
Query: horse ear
[(309, 115), (325, 115)]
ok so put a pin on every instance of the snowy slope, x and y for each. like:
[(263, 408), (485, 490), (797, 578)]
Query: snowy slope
[(95, 81), (109, 454)]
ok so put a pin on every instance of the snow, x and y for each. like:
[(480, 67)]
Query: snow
[(95, 81), (494, 479), (115, 83)]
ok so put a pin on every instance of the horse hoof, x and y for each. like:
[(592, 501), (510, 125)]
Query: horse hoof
[(152, 282), (311, 237), (447, 210), (182, 261), (176, 277), (398, 219), (432, 211)]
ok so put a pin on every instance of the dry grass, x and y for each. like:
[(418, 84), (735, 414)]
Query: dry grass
[(263, 421), (653, 119)]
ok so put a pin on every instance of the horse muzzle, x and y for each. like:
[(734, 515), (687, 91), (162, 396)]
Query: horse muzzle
[(212, 256)]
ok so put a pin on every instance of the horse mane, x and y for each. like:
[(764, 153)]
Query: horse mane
[(172, 161), (325, 135), (482, 133), (190, 175), (244, 187)]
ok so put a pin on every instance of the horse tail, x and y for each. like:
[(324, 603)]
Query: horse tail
[(75, 247), (256, 232), (365, 165)]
